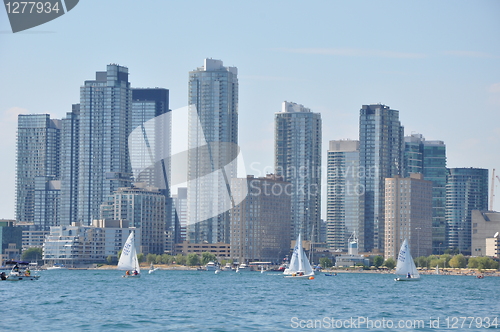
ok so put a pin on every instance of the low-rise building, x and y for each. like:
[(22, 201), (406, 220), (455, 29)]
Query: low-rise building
[(485, 233), (76, 245)]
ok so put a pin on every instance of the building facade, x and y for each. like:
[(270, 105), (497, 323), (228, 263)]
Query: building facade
[(466, 190), (38, 152), (429, 159), (297, 158), (345, 196), (381, 157), (104, 126), (408, 215), (212, 142), (70, 134), (142, 208), (485, 233), (259, 222), (76, 245)]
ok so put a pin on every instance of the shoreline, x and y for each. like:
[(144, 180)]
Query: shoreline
[(447, 271)]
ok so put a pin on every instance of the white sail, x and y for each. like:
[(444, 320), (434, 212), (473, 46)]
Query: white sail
[(405, 263), (128, 258), (299, 262)]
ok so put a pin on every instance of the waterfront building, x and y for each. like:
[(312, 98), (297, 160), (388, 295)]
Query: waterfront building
[(408, 215), (143, 208), (38, 141), (213, 139), (345, 196), (82, 246), (10, 240), (466, 190), (33, 238), (485, 233), (260, 221), (429, 159), (297, 158), (104, 126), (381, 157), (220, 250)]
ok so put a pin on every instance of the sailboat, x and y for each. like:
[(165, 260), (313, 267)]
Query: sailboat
[(299, 264), (405, 265), (152, 268), (436, 271), (128, 259)]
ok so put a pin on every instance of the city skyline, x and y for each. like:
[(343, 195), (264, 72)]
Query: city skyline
[(440, 76)]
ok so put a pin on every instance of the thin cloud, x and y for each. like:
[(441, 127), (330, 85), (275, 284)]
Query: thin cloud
[(354, 52), (471, 54)]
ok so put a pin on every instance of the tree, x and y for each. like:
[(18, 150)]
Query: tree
[(390, 263), (180, 259), (32, 254), (207, 257), (151, 258), (193, 259), (377, 261), (482, 263), (109, 260), (325, 262), (458, 261), (140, 257)]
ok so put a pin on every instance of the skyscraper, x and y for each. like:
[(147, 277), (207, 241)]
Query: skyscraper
[(257, 223), (213, 139), (104, 126), (466, 190), (381, 157), (429, 158), (345, 197), (408, 214), (70, 135), (150, 146), (38, 141), (297, 153)]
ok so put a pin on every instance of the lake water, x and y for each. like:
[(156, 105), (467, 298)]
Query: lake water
[(101, 300)]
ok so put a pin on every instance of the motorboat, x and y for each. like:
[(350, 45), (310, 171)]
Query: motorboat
[(19, 271)]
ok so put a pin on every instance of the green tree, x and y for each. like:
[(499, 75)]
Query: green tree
[(32, 254), (140, 257), (458, 261), (180, 259), (325, 262), (193, 259), (390, 263), (482, 263), (378, 261), (422, 261), (151, 258), (109, 260), (207, 257)]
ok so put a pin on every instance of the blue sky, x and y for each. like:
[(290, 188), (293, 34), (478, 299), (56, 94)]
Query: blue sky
[(437, 62)]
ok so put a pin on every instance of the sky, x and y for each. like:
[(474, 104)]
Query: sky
[(437, 62)]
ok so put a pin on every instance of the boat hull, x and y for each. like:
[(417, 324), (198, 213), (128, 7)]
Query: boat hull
[(21, 278), (407, 279), (132, 276)]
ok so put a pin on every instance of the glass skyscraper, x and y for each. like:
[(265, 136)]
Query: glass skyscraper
[(104, 126), (213, 139), (466, 190), (429, 159), (69, 167), (345, 199), (381, 156), (297, 153), (38, 142)]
